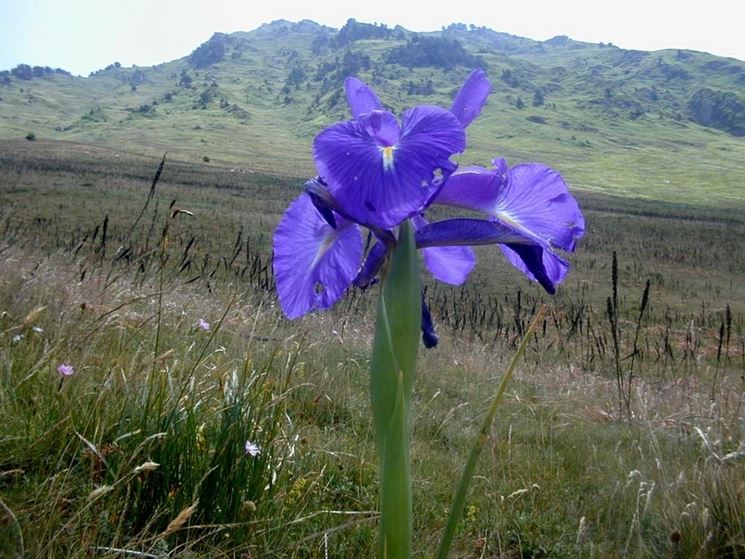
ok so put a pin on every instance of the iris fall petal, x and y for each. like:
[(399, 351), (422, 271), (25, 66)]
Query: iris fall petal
[(314, 264), (380, 175), (448, 264), (538, 263)]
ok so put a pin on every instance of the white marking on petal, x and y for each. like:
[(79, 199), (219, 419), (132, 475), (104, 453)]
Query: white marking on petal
[(387, 157), (508, 219), (323, 247)]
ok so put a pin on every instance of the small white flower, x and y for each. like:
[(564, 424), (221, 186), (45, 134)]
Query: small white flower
[(146, 467), (38, 329), (204, 325), (252, 449), (17, 338)]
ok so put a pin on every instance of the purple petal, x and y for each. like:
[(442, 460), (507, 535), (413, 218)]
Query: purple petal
[(531, 256), (472, 188), (360, 97), (471, 97), (537, 200), (65, 370), (429, 336), (434, 131), (449, 264), (531, 198), (464, 232), (371, 267), (538, 264), (378, 183), (382, 127), (314, 264), (500, 165), (322, 200)]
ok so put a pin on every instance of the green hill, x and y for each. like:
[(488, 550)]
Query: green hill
[(666, 125)]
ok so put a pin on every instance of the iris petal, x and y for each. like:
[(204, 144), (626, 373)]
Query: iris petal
[(465, 231), (314, 264), (471, 188), (537, 263), (379, 183), (531, 198), (471, 97), (371, 267), (429, 336), (449, 264), (360, 97), (537, 198), (382, 127), (533, 257), (435, 132)]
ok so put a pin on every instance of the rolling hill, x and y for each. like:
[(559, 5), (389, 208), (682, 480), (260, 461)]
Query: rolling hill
[(667, 125)]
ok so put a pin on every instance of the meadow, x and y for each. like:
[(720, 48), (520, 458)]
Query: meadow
[(622, 435)]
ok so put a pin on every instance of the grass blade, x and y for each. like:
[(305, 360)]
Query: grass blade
[(460, 494)]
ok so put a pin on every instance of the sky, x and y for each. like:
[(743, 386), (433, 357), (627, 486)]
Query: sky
[(85, 35)]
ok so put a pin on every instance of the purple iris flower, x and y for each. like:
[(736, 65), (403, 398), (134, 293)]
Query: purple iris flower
[(377, 172)]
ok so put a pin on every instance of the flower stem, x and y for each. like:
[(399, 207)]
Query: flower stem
[(391, 380)]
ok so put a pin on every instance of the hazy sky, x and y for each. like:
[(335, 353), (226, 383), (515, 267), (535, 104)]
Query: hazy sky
[(85, 35)]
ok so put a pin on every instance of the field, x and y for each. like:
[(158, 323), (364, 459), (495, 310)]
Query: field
[(623, 434)]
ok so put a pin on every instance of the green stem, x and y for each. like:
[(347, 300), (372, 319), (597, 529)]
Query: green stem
[(456, 509), (396, 507), (391, 380)]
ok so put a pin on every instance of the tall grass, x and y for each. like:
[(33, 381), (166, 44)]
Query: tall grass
[(142, 449)]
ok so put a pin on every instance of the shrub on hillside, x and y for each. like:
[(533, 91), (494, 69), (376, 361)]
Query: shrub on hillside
[(433, 52), (210, 52)]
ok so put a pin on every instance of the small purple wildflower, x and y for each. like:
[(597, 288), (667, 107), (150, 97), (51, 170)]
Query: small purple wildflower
[(204, 325), (252, 449), (65, 370)]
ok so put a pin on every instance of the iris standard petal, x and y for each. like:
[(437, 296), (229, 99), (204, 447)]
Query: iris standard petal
[(383, 128), (471, 98), (379, 182), (448, 264), (360, 97), (537, 263), (434, 131), (314, 264)]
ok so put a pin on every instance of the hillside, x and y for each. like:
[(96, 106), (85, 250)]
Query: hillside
[(666, 125)]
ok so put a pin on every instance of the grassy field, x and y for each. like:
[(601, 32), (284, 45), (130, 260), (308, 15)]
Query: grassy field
[(142, 449)]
